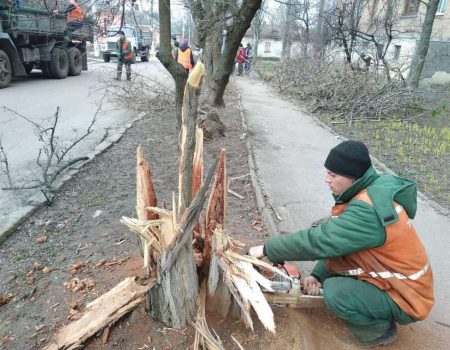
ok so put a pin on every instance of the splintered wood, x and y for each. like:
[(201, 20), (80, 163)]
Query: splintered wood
[(101, 313), (242, 279)]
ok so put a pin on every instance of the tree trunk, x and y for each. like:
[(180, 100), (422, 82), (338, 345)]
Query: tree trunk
[(420, 55), (287, 43), (173, 299), (164, 55), (222, 64)]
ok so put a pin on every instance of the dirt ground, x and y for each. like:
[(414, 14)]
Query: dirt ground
[(82, 225)]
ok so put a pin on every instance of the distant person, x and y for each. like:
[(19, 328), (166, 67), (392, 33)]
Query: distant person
[(184, 56), (125, 55), (241, 58), (75, 16), (372, 265), (249, 59), (175, 47)]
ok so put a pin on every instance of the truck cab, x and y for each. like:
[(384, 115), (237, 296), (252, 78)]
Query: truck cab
[(141, 42)]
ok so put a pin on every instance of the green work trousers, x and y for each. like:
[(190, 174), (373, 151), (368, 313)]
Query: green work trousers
[(365, 309), (120, 63)]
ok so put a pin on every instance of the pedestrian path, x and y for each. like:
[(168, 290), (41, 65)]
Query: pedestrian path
[(290, 148)]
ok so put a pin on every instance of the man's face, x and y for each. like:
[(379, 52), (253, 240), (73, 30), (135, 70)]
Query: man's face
[(337, 183), (122, 36)]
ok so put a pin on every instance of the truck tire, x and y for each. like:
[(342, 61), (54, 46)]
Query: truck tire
[(59, 64), (106, 58), (75, 61), (5, 70), (46, 69)]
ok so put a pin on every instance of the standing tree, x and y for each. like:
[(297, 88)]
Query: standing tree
[(287, 33), (256, 25), (212, 21), (164, 54), (424, 42)]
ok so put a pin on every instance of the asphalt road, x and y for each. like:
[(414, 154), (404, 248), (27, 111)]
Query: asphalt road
[(78, 98)]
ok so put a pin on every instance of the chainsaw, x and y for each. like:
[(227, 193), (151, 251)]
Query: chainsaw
[(287, 288)]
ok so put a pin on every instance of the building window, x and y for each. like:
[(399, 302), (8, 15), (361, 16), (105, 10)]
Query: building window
[(397, 49), (442, 6), (411, 8), (267, 47)]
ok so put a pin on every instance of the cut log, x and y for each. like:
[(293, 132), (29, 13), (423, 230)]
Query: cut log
[(188, 135), (101, 313)]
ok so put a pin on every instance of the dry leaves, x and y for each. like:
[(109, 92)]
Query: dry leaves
[(37, 265), (76, 285), (6, 298), (41, 239), (77, 267), (6, 340), (30, 280)]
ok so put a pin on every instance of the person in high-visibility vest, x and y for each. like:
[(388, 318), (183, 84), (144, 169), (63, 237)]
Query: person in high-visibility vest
[(184, 56), (125, 55), (372, 266), (75, 18)]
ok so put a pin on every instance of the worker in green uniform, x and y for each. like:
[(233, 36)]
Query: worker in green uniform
[(372, 265)]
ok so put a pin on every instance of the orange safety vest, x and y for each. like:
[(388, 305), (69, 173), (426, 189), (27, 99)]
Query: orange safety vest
[(400, 266), (128, 56), (75, 15), (184, 58)]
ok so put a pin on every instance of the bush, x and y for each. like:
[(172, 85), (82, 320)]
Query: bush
[(350, 95)]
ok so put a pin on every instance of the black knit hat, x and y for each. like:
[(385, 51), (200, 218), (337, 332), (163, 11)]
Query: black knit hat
[(350, 159), (121, 32)]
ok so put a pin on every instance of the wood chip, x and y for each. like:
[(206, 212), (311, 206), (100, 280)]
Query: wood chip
[(77, 267), (6, 298), (105, 335), (30, 280), (41, 239)]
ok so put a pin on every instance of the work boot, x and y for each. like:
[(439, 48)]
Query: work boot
[(386, 339)]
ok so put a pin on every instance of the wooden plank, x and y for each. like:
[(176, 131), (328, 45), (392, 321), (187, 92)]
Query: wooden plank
[(101, 313), (295, 300)]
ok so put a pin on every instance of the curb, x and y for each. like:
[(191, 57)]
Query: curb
[(263, 208), (11, 221)]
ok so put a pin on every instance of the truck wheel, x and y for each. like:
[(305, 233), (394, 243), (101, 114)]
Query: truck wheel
[(59, 64), (46, 69), (106, 58), (5, 70), (75, 61)]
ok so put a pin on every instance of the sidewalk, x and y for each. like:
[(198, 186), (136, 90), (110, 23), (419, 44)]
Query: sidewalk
[(290, 148)]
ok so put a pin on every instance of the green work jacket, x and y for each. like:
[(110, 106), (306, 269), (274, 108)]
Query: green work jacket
[(361, 226)]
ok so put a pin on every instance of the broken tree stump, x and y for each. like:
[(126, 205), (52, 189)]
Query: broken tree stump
[(172, 300)]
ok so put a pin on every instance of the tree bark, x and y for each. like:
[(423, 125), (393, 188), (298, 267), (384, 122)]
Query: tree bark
[(418, 61), (164, 55), (172, 300), (188, 133)]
